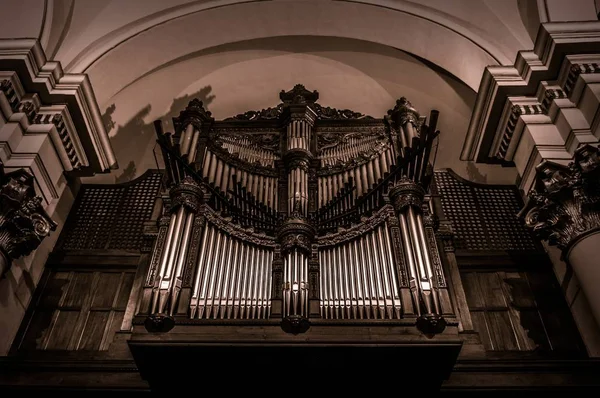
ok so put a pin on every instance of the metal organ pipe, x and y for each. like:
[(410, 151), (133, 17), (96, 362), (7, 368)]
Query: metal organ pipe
[(232, 278), (220, 173), (295, 287), (358, 278), (363, 176)]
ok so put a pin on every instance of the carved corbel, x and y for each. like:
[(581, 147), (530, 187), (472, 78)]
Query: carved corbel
[(23, 221), (564, 204)]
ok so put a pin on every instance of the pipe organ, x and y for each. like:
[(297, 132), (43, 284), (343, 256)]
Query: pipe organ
[(298, 213)]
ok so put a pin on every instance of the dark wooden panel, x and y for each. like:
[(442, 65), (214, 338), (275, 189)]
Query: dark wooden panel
[(115, 325), (62, 332), (78, 310), (533, 337), (518, 291), (94, 330), (80, 289), (126, 284), (37, 330), (491, 288), (56, 286), (472, 290), (480, 326), (501, 330), (106, 290)]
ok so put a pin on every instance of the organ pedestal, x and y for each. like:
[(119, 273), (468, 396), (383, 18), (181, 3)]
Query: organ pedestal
[(298, 214)]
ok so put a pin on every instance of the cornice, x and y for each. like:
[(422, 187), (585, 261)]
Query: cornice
[(47, 79), (554, 41)]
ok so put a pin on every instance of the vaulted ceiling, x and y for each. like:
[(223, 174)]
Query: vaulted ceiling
[(147, 58)]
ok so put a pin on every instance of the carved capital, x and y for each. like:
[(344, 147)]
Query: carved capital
[(187, 193), (23, 221), (296, 232), (406, 193), (298, 159), (564, 204)]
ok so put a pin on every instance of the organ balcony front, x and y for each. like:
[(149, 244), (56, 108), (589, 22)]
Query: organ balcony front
[(296, 238)]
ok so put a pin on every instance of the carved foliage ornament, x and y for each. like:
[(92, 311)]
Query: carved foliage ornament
[(565, 201), (23, 221), (194, 114), (366, 225), (225, 225), (299, 95), (406, 193), (188, 194)]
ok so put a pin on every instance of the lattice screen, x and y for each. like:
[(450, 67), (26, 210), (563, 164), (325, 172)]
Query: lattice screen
[(111, 216), (483, 217)]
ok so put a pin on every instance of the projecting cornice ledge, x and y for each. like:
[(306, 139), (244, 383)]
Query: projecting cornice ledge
[(46, 95), (554, 42)]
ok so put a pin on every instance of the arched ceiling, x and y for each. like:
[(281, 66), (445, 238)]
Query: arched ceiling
[(147, 58), (460, 36)]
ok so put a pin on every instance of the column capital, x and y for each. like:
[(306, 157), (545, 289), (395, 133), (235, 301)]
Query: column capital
[(406, 193), (187, 193), (23, 221), (564, 204)]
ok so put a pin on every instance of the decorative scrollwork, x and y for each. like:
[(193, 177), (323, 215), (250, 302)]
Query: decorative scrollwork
[(264, 114), (188, 194), (406, 193), (435, 258), (297, 232), (366, 225), (325, 112), (564, 204), (298, 95), (227, 226)]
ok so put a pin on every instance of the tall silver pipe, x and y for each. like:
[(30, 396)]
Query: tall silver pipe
[(200, 269), (269, 283), (176, 278), (415, 285), (167, 247), (218, 255), (392, 270), (205, 270), (173, 252)]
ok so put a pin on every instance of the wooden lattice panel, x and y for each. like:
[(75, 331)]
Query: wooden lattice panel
[(483, 217), (111, 216)]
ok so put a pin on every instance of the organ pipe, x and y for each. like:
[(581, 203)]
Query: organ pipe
[(408, 197), (232, 278), (358, 278), (168, 280)]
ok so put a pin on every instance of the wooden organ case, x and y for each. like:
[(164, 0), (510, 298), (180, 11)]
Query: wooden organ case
[(296, 236)]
